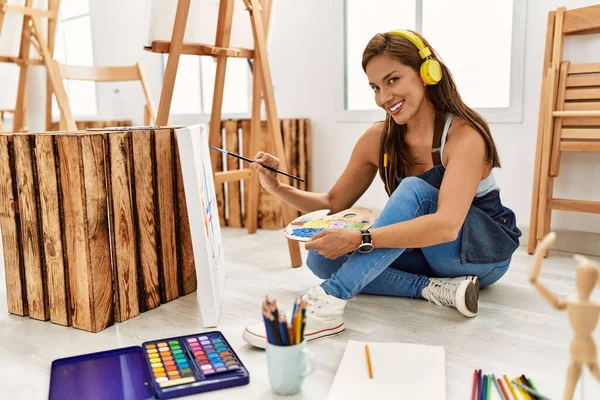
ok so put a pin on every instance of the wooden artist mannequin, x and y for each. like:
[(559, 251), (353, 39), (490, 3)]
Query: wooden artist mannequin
[(583, 313)]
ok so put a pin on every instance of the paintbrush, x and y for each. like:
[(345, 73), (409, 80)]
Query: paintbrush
[(251, 161)]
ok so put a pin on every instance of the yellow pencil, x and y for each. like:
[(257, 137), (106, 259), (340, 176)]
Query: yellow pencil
[(510, 387), (369, 361), (525, 395)]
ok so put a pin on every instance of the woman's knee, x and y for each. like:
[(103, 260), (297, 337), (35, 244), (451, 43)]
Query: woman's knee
[(319, 265), (414, 188)]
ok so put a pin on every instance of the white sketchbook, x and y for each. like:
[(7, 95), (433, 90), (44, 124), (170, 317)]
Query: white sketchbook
[(203, 214), (400, 371)]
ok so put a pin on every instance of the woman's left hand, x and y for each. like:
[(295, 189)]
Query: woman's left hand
[(334, 243)]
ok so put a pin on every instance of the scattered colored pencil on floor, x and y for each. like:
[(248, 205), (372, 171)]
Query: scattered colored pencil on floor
[(506, 389), (280, 331)]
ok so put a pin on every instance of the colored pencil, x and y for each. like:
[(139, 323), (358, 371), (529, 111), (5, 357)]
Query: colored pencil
[(369, 366), (474, 390), (523, 380), (497, 387), (482, 391), (520, 386), (251, 161), (510, 387), (479, 383), (488, 387), (530, 383), (527, 389), (283, 330), (506, 395)]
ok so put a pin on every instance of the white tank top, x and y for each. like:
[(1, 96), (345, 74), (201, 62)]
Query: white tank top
[(487, 184)]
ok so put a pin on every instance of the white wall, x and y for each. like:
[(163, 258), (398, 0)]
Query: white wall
[(306, 55)]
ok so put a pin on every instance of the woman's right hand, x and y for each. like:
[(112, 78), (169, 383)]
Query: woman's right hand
[(268, 178)]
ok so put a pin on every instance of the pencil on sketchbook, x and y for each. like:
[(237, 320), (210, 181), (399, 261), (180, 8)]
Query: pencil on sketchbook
[(369, 366)]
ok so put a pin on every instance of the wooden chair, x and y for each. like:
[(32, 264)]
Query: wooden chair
[(569, 118), (113, 74)]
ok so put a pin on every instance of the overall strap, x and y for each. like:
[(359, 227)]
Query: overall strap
[(438, 130)]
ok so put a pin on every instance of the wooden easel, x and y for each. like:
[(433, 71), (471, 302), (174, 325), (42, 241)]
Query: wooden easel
[(261, 84), (32, 35)]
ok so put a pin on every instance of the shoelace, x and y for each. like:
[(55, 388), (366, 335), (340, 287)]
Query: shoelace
[(442, 295), (311, 302)]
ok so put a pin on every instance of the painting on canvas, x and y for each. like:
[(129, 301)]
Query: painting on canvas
[(203, 216)]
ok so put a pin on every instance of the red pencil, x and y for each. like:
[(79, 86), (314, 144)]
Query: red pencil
[(504, 390), (474, 391)]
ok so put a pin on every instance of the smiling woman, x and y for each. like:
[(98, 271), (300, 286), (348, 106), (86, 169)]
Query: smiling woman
[(444, 233)]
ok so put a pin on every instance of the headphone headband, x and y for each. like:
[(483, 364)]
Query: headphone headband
[(431, 71)]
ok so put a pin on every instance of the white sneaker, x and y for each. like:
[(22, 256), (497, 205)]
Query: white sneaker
[(323, 318), (461, 293)]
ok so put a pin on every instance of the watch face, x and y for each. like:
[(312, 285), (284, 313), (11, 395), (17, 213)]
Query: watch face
[(365, 248)]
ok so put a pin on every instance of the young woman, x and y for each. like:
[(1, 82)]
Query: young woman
[(444, 232)]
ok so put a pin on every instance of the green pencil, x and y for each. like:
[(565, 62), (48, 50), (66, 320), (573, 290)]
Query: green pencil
[(488, 387)]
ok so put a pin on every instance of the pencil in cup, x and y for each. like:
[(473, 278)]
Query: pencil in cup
[(280, 331)]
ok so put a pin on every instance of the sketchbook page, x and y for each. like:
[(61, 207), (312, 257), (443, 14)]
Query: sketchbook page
[(400, 371)]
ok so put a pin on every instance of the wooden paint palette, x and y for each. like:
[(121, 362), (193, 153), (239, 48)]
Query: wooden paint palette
[(306, 226)]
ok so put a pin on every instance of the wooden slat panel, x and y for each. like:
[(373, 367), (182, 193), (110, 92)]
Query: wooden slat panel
[(308, 146), (269, 206), (83, 181), (101, 292), (582, 94), (581, 106), (166, 201), (219, 187), (580, 146), (51, 207), (302, 153), (245, 127), (288, 144), (583, 121), (122, 227), (293, 161), (37, 293), (582, 19), (587, 68), (575, 205), (145, 201), (234, 218), (581, 134), (583, 81), (14, 269), (184, 235)]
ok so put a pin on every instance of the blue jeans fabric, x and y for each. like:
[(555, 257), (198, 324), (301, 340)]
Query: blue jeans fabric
[(394, 271)]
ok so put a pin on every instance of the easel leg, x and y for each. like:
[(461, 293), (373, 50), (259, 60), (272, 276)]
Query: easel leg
[(255, 131), (20, 115), (55, 78), (222, 40), (52, 6), (2, 13), (166, 95), (260, 50)]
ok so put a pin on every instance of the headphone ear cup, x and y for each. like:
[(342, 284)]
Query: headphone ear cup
[(431, 71)]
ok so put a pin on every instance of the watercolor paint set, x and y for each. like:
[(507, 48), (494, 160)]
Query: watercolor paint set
[(163, 369)]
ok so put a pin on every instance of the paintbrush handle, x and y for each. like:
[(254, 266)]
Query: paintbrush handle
[(264, 166)]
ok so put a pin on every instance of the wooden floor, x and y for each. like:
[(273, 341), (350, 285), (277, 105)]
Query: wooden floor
[(514, 333)]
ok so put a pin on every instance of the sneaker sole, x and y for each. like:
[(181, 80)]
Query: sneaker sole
[(467, 298), (261, 341)]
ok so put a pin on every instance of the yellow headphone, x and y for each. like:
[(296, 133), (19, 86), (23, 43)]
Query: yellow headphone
[(431, 71)]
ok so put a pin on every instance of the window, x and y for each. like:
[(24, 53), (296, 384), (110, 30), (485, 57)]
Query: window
[(74, 46), (194, 86), (481, 51)]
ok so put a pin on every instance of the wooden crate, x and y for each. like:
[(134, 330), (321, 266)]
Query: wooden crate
[(232, 196), (95, 227)]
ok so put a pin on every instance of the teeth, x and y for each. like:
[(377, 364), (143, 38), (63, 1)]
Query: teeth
[(397, 106)]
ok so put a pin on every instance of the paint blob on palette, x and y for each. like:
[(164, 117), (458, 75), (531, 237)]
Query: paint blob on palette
[(306, 226), (192, 364)]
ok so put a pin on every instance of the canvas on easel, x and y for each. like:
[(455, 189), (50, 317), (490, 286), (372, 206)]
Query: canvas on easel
[(203, 214)]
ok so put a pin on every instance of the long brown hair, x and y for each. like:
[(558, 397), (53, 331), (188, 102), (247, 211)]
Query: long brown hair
[(443, 96)]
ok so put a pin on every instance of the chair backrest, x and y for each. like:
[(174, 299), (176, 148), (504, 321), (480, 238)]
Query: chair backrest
[(582, 21), (113, 74)]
